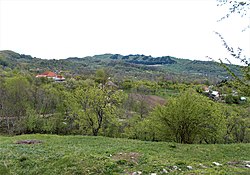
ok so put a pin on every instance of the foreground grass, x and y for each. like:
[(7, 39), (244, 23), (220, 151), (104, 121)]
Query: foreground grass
[(100, 155)]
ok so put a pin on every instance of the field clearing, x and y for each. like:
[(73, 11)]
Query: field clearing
[(100, 155)]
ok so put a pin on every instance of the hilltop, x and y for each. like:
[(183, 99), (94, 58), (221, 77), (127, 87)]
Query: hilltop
[(129, 66)]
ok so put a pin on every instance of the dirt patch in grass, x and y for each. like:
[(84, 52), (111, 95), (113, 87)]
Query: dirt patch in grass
[(131, 157), (28, 142), (240, 164), (150, 100)]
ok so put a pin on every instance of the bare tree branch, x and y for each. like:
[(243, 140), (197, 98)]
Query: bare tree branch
[(239, 7)]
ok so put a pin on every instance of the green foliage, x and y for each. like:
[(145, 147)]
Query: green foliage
[(14, 101), (97, 106), (135, 67), (90, 105), (3, 61), (31, 123), (238, 124), (231, 99), (144, 129), (191, 118), (101, 76)]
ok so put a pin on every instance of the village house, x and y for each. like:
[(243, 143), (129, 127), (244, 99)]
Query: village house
[(215, 94), (243, 98), (205, 89), (52, 75)]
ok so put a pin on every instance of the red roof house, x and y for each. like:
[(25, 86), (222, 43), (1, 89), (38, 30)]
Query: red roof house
[(49, 74)]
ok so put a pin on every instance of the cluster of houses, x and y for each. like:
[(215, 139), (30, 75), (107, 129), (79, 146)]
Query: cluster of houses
[(216, 94), (208, 90), (211, 93), (58, 78), (51, 75)]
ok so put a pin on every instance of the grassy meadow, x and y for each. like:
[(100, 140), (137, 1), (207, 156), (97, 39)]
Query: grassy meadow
[(101, 155)]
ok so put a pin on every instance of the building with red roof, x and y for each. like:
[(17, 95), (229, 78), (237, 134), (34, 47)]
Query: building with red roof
[(49, 74)]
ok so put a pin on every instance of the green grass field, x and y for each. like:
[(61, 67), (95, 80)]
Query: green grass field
[(101, 155)]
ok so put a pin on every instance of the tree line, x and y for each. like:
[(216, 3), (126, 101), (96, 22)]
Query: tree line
[(96, 106)]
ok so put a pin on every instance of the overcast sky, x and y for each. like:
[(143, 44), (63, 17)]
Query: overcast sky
[(65, 28)]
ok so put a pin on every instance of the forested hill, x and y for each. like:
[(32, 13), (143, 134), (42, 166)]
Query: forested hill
[(129, 66)]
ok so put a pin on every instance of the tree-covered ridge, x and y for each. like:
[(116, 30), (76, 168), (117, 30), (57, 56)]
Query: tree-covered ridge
[(143, 59), (12, 59), (129, 66)]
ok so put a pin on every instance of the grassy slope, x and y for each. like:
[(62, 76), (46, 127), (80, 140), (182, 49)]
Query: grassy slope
[(92, 155)]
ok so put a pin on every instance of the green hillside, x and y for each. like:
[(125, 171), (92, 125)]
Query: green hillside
[(129, 66), (101, 155)]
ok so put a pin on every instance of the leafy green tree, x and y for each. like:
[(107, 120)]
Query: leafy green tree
[(144, 129), (230, 99), (16, 101), (191, 118), (237, 124), (101, 76), (32, 122), (68, 112), (96, 106)]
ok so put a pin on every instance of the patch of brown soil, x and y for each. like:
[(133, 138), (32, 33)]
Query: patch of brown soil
[(234, 163), (154, 100), (150, 100), (29, 142), (131, 157)]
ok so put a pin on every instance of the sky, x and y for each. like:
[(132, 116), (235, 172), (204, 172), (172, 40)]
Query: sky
[(57, 29)]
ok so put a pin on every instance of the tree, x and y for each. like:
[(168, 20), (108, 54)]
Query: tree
[(237, 121), (46, 98), (96, 106), (14, 101), (191, 118), (237, 124), (101, 76)]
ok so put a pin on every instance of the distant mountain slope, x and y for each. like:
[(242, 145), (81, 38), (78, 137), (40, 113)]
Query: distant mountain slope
[(12, 59), (146, 60), (129, 66)]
